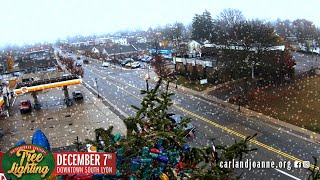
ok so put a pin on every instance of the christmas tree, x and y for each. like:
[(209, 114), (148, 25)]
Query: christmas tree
[(154, 149)]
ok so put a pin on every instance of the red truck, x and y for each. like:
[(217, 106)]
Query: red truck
[(25, 106)]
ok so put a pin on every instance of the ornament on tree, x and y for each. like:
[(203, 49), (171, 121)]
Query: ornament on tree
[(154, 150), (185, 147), (41, 140), (163, 176), (117, 137)]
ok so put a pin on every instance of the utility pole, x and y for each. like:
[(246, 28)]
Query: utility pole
[(96, 84), (239, 103)]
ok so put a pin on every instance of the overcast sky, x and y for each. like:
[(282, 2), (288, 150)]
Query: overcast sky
[(25, 21)]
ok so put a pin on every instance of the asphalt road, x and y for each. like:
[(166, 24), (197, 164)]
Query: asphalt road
[(305, 62), (122, 88)]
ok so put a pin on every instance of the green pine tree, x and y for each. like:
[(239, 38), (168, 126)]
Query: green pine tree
[(150, 128), (314, 170)]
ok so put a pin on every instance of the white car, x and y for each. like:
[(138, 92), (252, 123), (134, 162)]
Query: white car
[(105, 64), (135, 65), (146, 59)]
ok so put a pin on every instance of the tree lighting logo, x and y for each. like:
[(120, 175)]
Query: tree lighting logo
[(28, 162)]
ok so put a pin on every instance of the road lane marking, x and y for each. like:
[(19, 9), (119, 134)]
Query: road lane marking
[(220, 126), (287, 174), (105, 99)]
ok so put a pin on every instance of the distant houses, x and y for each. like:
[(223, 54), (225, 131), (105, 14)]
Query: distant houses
[(115, 51)]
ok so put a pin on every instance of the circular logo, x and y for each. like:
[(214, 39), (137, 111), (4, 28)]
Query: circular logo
[(24, 89)]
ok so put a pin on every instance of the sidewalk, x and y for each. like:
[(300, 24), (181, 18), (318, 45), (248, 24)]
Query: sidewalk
[(276, 123), (61, 124)]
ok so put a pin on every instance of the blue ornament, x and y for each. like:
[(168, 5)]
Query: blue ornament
[(137, 160), (153, 155), (185, 147), (117, 137), (98, 175), (146, 160), (20, 143), (145, 151), (41, 140), (163, 159), (118, 173), (135, 164), (161, 149)]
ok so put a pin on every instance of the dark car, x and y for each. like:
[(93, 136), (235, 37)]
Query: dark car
[(176, 119), (85, 61), (25, 106), (77, 95)]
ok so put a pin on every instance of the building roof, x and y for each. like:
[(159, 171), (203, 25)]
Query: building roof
[(31, 64), (144, 46), (116, 49)]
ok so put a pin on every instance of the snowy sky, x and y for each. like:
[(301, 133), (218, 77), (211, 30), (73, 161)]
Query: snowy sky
[(25, 21)]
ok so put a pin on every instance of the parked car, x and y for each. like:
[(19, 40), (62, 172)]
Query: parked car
[(77, 95), (126, 61), (25, 106), (135, 65), (146, 59), (78, 64), (105, 64), (85, 61), (136, 58), (129, 64), (176, 119)]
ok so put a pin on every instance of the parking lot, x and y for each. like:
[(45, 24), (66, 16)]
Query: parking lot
[(61, 124)]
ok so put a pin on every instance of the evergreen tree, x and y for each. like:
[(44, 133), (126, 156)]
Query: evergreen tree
[(314, 170), (152, 146), (202, 27)]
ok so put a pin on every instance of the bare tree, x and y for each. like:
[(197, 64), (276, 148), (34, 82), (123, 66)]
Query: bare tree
[(224, 23), (230, 17), (304, 29), (160, 67), (284, 28), (253, 33)]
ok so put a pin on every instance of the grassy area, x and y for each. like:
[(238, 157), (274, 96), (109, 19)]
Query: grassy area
[(194, 85), (298, 104)]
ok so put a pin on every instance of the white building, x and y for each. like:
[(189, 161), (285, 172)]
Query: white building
[(120, 41), (84, 43), (102, 41), (194, 47), (141, 39)]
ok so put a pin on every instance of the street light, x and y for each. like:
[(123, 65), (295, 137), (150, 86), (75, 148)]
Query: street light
[(96, 84), (176, 78), (148, 71), (252, 70), (239, 103)]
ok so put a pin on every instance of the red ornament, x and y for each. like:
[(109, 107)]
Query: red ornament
[(154, 150), (180, 165)]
